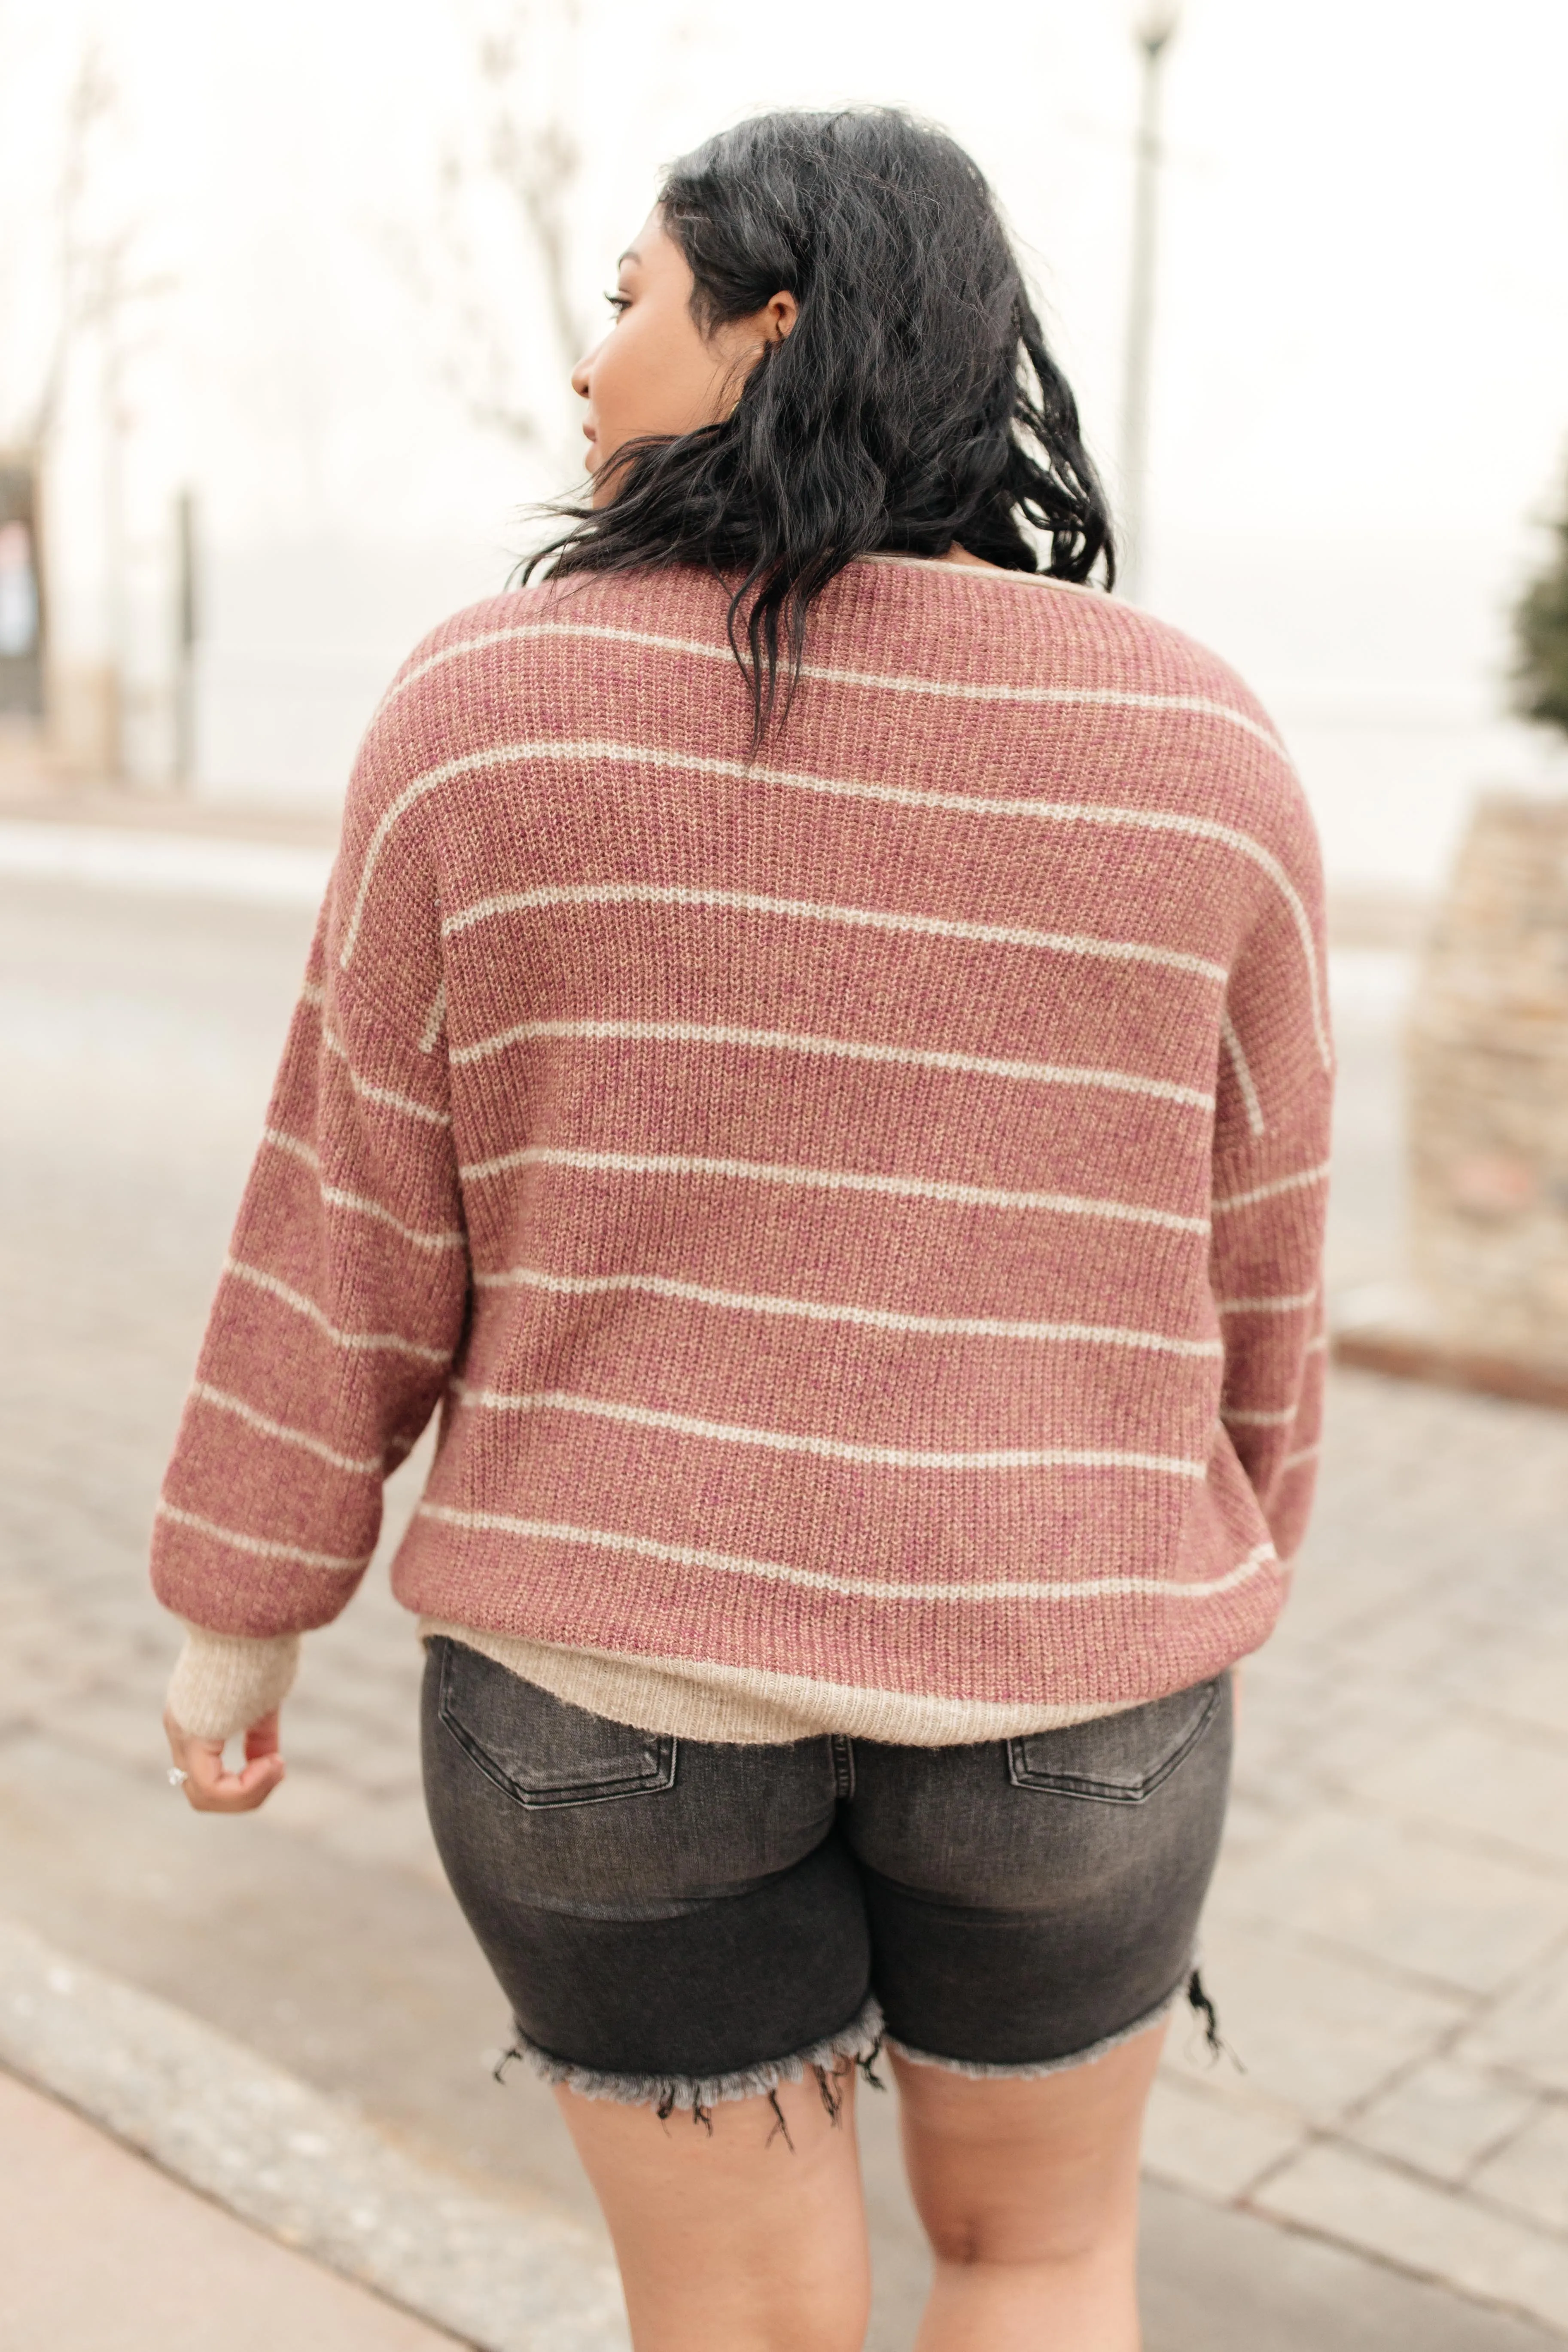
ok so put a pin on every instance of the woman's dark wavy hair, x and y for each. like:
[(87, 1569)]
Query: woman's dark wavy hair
[(914, 404)]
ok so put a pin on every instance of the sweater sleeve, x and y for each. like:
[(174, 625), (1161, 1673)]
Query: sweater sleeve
[(341, 1307), (1266, 1266), (1271, 1197)]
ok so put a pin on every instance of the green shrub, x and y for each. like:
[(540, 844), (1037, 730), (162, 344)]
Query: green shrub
[(1541, 638)]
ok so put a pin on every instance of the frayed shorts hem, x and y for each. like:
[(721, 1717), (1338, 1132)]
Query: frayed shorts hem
[(979, 2073), (858, 2041)]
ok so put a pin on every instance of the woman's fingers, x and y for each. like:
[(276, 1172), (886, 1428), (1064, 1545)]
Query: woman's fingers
[(261, 1739), (212, 1790), (209, 1787)]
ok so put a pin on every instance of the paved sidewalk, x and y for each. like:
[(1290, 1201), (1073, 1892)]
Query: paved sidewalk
[(1388, 1936), (1388, 1941), (99, 2250), (503, 2272)]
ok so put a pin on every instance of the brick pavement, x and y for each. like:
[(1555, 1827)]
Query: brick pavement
[(1388, 1941)]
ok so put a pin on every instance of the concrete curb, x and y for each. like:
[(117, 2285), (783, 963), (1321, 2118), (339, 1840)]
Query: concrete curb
[(504, 2277)]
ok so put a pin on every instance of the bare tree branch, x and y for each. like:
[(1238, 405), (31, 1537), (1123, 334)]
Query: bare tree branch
[(90, 103), (98, 284), (518, 179)]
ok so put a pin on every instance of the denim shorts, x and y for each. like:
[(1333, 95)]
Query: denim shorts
[(681, 1922)]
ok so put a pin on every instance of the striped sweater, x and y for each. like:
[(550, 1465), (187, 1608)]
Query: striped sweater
[(856, 1210)]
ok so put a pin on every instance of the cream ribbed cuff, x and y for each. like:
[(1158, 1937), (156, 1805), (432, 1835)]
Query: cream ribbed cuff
[(223, 1683)]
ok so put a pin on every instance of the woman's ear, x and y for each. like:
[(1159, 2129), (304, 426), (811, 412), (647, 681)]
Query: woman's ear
[(780, 314)]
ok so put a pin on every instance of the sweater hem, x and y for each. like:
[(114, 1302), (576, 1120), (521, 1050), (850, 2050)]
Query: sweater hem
[(751, 1707)]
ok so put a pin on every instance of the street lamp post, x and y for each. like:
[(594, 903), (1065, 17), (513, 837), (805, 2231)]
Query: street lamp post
[(1153, 35)]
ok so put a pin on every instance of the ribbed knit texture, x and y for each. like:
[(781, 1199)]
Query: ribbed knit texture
[(859, 1210), (223, 1683)]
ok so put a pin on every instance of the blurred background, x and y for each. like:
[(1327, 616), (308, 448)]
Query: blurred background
[(291, 295), (287, 301)]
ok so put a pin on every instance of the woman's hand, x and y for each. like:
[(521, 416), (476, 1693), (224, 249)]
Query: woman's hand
[(212, 1790)]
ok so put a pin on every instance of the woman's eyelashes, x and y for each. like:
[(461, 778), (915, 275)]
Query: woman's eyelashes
[(619, 302)]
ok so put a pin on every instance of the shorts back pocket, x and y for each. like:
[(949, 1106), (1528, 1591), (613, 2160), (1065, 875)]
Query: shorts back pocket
[(537, 1748), (1117, 1759)]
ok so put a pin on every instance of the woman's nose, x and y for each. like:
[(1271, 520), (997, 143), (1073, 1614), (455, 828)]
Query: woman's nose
[(579, 375)]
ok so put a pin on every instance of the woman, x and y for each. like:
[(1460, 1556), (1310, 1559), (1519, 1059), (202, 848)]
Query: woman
[(814, 1058)]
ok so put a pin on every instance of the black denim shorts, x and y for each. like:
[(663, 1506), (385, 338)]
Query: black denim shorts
[(682, 1922)]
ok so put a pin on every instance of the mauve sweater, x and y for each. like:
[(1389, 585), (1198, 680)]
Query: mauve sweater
[(856, 1209)]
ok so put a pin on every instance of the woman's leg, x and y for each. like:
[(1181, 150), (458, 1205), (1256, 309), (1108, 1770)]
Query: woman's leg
[(671, 1921), (1029, 2191), (1030, 1901), (736, 2240)]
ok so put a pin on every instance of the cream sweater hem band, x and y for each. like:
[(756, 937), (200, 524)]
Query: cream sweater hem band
[(743, 1707)]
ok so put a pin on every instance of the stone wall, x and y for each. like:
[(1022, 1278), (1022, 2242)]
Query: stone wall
[(1488, 1074)]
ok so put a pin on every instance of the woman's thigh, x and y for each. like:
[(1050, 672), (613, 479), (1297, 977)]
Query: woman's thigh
[(671, 1922), (1035, 1900), (747, 2237), (1023, 2171)]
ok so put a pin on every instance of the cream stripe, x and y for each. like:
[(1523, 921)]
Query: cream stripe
[(1067, 697), (693, 1033), (827, 1179), (977, 1327), (501, 756), (386, 1095), (752, 902), (356, 1201), (387, 1342), (1295, 1461), (429, 1036), (1239, 1064), (1302, 1181), (1285, 1303), (1088, 1587), (1196, 828), (315, 996), (1105, 698), (260, 1545), (1235, 1417), (451, 1240), (832, 1449), (493, 637), (295, 1145), (1318, 1347), (367, 1465)]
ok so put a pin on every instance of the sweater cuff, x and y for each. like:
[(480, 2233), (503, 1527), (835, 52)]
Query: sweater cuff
[(223, 1683)]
